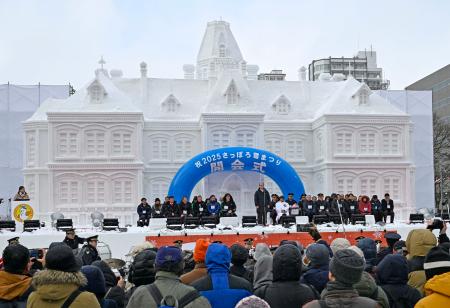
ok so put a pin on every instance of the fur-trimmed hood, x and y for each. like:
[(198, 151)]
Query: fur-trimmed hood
[(55, 285)]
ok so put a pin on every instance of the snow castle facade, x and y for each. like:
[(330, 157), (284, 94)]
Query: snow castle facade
[(118, 139)]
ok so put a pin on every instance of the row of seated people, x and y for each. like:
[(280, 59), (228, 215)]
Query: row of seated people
[(211, 207), (345, 205)]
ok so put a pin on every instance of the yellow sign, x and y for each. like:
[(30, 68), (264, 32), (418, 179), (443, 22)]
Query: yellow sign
[(23, 212)]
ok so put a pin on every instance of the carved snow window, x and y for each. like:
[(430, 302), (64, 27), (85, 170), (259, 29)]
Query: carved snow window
[(294, 149), (31, 149), (368, 186), (319, 144), (67, 143), (391, 143), (282, 105), (344, 185), (362, 95), (391, 185), (183, 148), (171, 104), (232, 94), (95, 191), (344, 142), (68, 192), (220, 139), (160, 149), (96, 92), (159, 189), (274, 145), (367, 142), (123, 192), (222, 50), (245, 139), (95, 143), (121, 143)]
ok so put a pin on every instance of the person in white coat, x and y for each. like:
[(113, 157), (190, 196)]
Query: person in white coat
[(282, 208)]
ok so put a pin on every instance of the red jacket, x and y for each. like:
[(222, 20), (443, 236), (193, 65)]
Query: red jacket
[(365, 208)]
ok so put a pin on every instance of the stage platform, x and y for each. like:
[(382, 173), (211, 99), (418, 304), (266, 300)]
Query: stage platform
[(120, 243)]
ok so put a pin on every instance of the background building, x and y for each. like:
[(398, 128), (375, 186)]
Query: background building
[(273, 75), (439, 84), (18, 103), (363, 67), (118, 138)]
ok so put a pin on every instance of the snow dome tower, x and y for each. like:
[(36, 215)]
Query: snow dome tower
[(218, 51)]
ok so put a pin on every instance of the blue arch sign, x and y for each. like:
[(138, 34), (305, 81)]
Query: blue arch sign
[(235, 159)]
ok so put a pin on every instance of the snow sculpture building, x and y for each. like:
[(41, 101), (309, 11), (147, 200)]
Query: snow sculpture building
[(118, 139)]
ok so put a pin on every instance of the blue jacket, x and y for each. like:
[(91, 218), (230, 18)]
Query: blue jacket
[(214, 208), (220, 288), (317, 277)]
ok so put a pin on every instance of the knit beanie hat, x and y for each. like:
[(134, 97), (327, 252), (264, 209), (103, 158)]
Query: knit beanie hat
[(437, 262), (201, 245), (252, 302), (346, 266), (239, 255), (317, 254), (339, 243), (96, 280), (15, 258), (61, 258)]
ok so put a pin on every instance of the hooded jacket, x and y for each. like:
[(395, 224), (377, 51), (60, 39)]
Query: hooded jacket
[(54, 287), (261, 249), (369, 248), (286, 291), (14, 289), (437, 291), (219, 287), (418, 244), (317, 271), (263, 274), (367, 287), (392, 274)]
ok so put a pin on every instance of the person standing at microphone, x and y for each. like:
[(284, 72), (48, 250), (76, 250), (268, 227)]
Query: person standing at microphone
[(262, 201)]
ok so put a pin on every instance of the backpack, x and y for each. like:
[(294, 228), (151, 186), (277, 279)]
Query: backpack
[(169, 301)]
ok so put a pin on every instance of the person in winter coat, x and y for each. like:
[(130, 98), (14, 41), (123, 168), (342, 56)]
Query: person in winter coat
[(285, 290), (282, 208), (60, 279), (15, 284), (346, 268), (369, 248), (213, 206), (376, 208), (199, 207), (239, 255), (72, 240), (157, 209), (220, 287), (228, 206), (317, 257), (142, 271), (96, 284), (418, 243), (364, 206), (262, 275), (169, 265), (387, 207), (262, 201), (392, 275), (261, 250), (437, 272), (88, 252), (171, 208), (114, 287), (185, 207), (199, 271), (144, 211), (391, 239)]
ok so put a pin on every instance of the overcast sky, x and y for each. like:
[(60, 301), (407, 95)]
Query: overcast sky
[(56, 42)]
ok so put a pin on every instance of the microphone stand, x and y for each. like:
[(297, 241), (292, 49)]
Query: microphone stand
[(342, 221)]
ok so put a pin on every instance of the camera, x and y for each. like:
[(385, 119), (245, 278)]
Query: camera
[(436, 224), (36, 253)]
